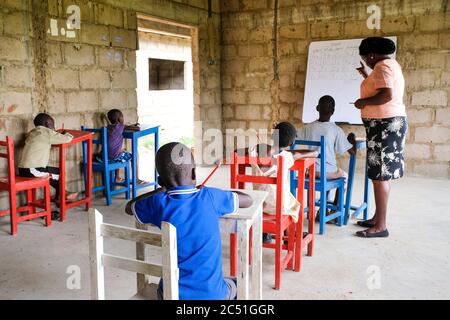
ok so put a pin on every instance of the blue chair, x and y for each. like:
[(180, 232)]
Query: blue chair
[(106, 167), (323, 185)]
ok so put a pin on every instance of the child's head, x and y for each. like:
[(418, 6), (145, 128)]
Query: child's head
[(286, 134), (326, 107), (115, 116), (175, 165), (44, 120)]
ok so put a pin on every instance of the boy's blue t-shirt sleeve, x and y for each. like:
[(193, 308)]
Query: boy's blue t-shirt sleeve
[(225, 202), (145, 211)]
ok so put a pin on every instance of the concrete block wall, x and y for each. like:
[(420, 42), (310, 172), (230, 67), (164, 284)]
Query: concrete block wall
[(263, 84), (78, 78)]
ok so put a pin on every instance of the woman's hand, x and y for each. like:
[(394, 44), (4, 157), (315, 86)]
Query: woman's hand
[(360, 103), (362, 70)]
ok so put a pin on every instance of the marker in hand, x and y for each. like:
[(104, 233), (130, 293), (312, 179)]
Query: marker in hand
[(218, 165)]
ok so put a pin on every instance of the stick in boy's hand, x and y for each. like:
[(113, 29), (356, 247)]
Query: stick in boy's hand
[(218, 165)]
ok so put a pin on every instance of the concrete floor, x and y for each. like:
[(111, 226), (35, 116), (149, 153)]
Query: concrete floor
[(414, 262)]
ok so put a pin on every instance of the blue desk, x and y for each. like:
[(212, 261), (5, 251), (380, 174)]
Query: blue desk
[(360, 145), (134, 137)]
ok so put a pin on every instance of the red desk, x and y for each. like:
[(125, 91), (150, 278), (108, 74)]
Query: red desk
[(78, 137)]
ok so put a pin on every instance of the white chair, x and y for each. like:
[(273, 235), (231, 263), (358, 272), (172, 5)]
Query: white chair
[(168, 270)]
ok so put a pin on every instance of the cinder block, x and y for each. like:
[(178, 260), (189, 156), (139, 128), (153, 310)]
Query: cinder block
[(286, 49), (53, 8), (54, 56), (207, 97), (56, 102), (228, 112), (95, 79), (132, 99), (418, 42), (417, 151), (113, 99), (429, 60), (17, 23), (262, 34), (429, 98), (292, 96), (395, 25), (79, 55), (229, 5), (431, 169), (416, 79), (443, 115), (260, 97), (444, 40), (17, 5), (86, 9), (284, 113), (95, 34), (434, 22), (131, 20), (108, 15), (233, 36), (124, 80), (434, 134), (110, 57), (18, 76), (442, 152), (123, 38), (15, 103), (325, 29), (260, 124), (63, 79), (295, 31), (248, 81), (214, 113), (234, 66), (131, 59), (80, 101), (233, 97), (248, 112), (70, 120), (422, 115), (259, 65), (13, 50)]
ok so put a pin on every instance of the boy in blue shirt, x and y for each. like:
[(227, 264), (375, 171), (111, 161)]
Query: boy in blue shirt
[(195, 213)]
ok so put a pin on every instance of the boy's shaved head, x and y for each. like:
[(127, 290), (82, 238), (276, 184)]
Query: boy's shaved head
[(175, 165), (44, 120), (114, 115), (326, 105)]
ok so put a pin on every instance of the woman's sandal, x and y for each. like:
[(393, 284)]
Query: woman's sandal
[(366, 234), (365, 224)]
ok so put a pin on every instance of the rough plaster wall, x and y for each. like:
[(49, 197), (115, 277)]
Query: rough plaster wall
[(78, 79), (253, 98)]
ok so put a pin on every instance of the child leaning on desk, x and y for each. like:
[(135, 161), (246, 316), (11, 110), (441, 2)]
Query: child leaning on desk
[(195, 213), (36, 153), (283, 137), (115, 129)]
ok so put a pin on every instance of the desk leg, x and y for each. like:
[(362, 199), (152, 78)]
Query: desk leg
[(257, 257), (243, 267), (366, 193), (134, 148), (156, 150), (89, 175), (62, 182), (348, 200)]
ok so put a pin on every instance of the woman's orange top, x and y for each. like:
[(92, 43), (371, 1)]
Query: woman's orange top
[(387, 73)]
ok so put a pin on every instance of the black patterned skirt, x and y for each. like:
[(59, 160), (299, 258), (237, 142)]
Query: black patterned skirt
[(385, 147)]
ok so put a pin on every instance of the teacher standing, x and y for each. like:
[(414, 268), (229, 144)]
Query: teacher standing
[(384, 117)]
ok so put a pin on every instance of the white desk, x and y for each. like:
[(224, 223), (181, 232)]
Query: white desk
[(240, 223)]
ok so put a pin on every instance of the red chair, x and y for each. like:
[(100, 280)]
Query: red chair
[(14, 184), (274, 224)]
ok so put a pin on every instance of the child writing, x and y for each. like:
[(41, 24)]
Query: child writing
[(115, 130), (36, 153), (336, 141), (195, 213), (283, 137)]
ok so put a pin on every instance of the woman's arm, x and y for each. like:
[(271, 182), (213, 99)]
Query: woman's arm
[(245, 201), (384, 95), (299, 154)]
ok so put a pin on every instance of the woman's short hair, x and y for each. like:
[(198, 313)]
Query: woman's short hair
[(378, 45)]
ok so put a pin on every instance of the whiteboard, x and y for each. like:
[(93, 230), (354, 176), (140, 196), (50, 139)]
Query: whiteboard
[(331, 70)]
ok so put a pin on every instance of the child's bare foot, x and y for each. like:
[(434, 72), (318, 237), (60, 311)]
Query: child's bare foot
[(141, 182), (71, 196)]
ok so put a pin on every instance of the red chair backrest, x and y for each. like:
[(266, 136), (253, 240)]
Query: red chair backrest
[(9, 156), (238, 175)]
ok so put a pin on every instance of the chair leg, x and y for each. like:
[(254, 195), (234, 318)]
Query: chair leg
[(323, 211), (278, 249), (13, 212), (311, 209), (127, 181), (250, 246), (291, 244), (233, 255), (108, 187), (31, 208), (341, 205), (48, 219)]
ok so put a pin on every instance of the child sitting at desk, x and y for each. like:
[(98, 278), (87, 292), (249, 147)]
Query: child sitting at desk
[(115, 130), (336, 142), (195, 213), (36, 153), (283, 137)]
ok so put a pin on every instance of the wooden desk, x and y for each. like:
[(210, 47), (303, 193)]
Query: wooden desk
[(134, 137), (78, 137), (240, 223)]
